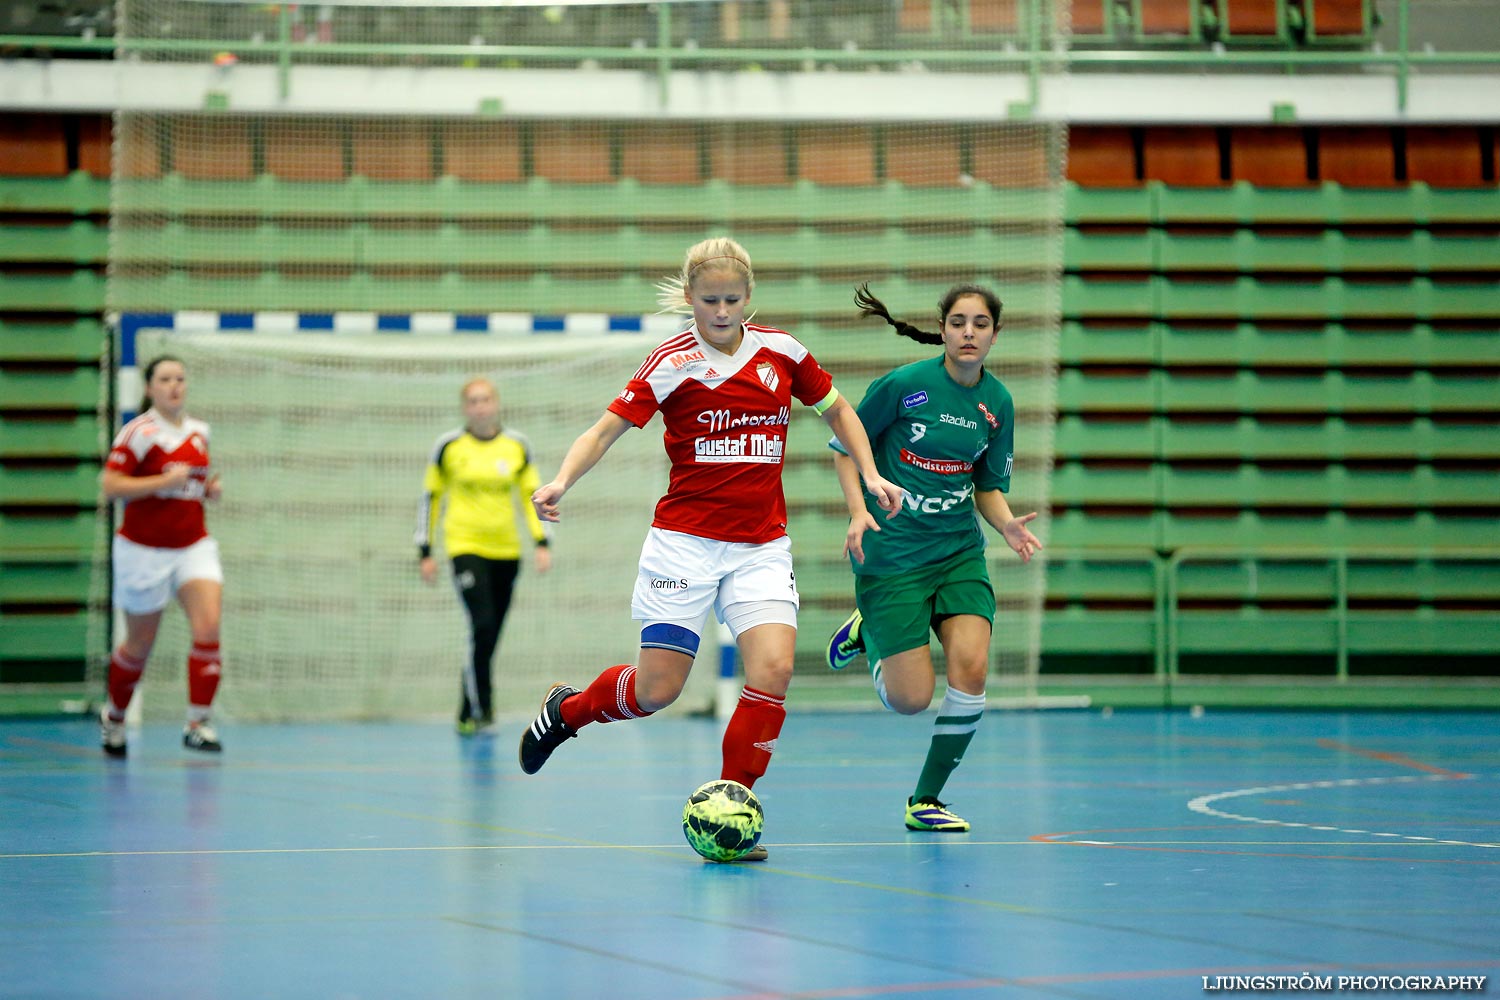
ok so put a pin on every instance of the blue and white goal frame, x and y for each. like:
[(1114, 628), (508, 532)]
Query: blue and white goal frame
[(430, 324)]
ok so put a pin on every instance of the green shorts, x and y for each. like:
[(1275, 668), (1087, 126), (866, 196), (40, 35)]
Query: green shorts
[(899, 609)]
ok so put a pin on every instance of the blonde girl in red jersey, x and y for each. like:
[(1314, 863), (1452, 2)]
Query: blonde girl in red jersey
[(724, 388), (159, 466)]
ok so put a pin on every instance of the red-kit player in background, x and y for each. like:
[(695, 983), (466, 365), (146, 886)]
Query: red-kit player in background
[(159, 466), (724, 389)]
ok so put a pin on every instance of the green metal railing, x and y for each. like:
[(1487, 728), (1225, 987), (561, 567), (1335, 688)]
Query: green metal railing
[(1035, 56), (1168, 616)]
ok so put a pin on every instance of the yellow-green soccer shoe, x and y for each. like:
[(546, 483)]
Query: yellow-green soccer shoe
[(930, 815)]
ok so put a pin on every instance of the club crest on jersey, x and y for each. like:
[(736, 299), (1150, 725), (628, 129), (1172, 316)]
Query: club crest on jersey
[(768, 376), (915, 399), (988, 415), (687, 359)]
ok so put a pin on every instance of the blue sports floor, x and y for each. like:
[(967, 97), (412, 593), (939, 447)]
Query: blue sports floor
[(1124, 855)]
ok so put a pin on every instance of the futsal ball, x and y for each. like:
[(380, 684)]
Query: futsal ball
[(722, 820)]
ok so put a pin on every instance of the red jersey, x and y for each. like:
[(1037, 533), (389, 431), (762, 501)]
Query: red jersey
[(725, 421), (172, 519)]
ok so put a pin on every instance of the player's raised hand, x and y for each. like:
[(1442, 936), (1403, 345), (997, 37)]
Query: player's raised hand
[(1020, 538), (887, 495), (546, 499), (854, 538), (175, 475)]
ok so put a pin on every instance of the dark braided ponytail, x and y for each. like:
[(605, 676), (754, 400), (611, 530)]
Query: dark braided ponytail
[(869, 305)]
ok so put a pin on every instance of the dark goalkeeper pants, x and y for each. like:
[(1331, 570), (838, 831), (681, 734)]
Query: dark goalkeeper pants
[(485, 586)]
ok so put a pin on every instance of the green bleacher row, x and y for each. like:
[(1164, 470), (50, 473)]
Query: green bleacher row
[(1310, 578), (1078, 391), (1152, 297), (1073, 484), (803, 202), (1244, 438), (1461, 391), (542, 246), (1311, 345)]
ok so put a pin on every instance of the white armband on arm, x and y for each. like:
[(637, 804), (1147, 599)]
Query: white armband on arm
[(822, 405)]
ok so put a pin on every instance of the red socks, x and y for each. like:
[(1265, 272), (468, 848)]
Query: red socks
[(749, 740), (610, 698), (751, 737), (203, 675), (124, 675)]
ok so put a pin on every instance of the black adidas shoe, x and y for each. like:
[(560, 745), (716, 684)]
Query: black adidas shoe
[(547, 730)]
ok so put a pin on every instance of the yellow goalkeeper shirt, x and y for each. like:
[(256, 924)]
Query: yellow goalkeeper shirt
[(477, 486)]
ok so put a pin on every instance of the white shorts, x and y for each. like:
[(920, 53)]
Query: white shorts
[(682, 576), (146, 577)]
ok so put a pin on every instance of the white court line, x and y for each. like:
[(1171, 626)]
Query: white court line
[(1204, 804)]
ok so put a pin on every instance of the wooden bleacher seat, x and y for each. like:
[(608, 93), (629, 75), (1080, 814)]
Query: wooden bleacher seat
[(1252, 18), (836, 155), (32, 146), (1336, 18), (573, 153), (1165, 17), (1357, 157), (1448, 157), (392, 150), (140, 147), (213, 149), (1102, 156), (304, 151), (1086, 17), (923, 155), (916, 16), (483, 152), (95, 144), (1009, 156), (1182, 156), (662, 154), (749, 154), (994, 16), (1271, 156)]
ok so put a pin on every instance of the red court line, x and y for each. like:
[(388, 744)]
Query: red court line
[(1399, 759)]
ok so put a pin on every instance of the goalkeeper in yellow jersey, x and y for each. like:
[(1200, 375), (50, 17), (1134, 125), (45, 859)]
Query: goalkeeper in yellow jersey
[(478, 477)]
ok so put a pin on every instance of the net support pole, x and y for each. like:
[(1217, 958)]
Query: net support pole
[(727, 691)]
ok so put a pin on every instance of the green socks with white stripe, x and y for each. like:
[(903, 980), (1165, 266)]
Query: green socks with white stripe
[(951, 734)]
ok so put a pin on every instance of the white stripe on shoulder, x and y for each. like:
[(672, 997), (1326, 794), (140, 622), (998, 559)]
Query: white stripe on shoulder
[(779, 341), (669, 346), (137, 434)]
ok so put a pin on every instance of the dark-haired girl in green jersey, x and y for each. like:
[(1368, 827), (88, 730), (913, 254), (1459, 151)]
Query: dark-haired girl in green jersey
[(941, 430)]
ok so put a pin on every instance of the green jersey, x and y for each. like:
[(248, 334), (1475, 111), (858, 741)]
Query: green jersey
[(939, 441)]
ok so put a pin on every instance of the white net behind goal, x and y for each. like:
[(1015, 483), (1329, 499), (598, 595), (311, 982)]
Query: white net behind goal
[(322, 441)]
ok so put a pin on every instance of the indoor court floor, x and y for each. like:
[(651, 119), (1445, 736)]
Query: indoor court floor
[(1114, 855)]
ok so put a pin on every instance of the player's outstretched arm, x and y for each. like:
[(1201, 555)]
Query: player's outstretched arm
[(581, 457), (860, 520), (993, 508), (120, 486), (845, 424)]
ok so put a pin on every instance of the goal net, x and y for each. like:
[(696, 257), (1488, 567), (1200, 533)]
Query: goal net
[(401, 162)]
